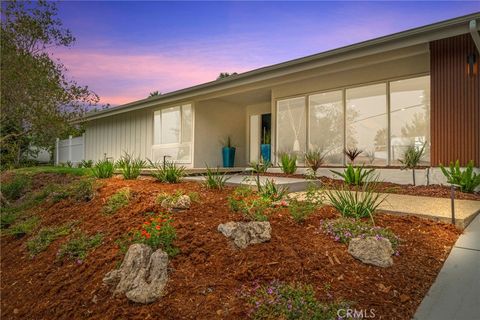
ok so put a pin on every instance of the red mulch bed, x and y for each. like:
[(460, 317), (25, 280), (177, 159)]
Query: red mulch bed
[(206, 276), (433, 190)]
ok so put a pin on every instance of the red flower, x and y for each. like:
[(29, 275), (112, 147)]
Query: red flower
[(157, 227), (147, 235)]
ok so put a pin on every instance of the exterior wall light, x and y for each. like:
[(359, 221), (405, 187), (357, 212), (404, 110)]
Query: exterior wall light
[(472, 64)]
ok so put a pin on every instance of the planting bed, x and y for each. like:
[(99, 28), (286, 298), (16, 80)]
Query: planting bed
[(207, 276), (434, 190)]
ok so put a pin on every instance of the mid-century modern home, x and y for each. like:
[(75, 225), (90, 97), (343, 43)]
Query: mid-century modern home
[(417, 87)]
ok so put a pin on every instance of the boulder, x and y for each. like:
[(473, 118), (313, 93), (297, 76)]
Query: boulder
[(245, 233), (142, 276), (179, 203), (372, 250)]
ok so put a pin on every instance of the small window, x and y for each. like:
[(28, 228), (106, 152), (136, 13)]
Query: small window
[(172, 133), (173, 125)]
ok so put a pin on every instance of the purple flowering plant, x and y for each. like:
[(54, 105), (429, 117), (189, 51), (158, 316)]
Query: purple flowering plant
[(344, 229), (278, 300)]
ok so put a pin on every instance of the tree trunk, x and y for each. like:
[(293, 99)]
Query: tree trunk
[(413, 173)]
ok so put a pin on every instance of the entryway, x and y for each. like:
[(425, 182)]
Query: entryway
[(260, 137)]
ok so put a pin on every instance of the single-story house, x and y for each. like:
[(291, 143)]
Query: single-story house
[(420, 86)]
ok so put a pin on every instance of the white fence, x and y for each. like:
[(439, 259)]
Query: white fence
[(71, 149)]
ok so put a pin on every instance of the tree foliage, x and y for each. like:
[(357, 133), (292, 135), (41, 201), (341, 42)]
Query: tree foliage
[(223, 75), (155, 93), (38, 101)]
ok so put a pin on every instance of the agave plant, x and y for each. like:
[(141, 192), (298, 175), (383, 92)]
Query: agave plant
[(270, 190), (352, 153), (129, 166), (288, 162), (214, 179), (411, 159), (260, 166), (103, 169), (314, 159), (356, 204), (466, 179), (168, 172), (355, 175)]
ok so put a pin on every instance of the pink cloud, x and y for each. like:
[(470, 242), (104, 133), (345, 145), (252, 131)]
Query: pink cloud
[(120, 78)]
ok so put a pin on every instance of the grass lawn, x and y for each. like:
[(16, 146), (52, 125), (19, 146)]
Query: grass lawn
[(63, 237), (53, 169)]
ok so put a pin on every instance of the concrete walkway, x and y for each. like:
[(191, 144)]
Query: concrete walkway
[(291, 184), (455, 294), (429, 207)]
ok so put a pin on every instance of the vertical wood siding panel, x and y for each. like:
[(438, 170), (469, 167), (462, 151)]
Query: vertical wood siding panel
[(455, 102)]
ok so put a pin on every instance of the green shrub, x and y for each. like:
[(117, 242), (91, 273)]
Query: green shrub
[(300, 210), (288, 162), (15, 189), (314, 159), (58, 196), (83, 190), (238, 195), (194, 196), (172, 198), (69, 164), (130, 167), (343, 230), (260, 166), (168, 172), (215, 179), (158, 232), (355, 175), (290, 302), (7, 219), (78, 247), (103, 169), (466, 179), (116, 201), (255, 208), (269, 190), (24, 227), (46, 236), (411, 158), (356, 204), (86, 164)]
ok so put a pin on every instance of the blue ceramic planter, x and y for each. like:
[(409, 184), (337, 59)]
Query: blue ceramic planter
[(228, 157), (265, 150)]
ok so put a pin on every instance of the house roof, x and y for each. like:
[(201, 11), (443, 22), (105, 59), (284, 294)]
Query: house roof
[(424, 34)]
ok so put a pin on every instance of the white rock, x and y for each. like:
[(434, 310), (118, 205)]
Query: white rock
[(371, 250), (245, 233), (142, 275)]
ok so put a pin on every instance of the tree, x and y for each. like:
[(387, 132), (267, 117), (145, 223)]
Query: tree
[(154, 94), (224, 75), (37, 100)]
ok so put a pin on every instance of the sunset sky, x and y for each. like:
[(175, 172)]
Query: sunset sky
[(125, 50)]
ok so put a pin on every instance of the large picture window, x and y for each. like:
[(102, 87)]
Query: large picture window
[(291, 125), (172, 133), (366, 123), (409, 117), (359, 117), (326, 122)]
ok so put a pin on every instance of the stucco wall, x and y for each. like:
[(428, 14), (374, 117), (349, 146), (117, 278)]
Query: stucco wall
[(130, 132), (214, 121)]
